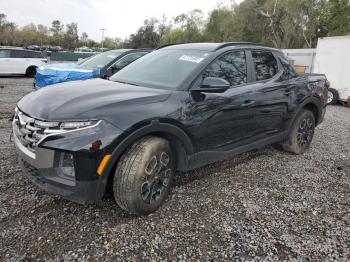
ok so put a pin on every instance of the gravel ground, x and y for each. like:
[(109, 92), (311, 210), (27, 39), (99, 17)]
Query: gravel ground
[(265, 204)]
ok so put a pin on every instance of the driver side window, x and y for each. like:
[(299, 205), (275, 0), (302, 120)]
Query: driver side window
[(231, 66), (124, 61)]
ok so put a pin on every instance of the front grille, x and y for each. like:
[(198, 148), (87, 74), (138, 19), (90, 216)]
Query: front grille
[(30, 132)]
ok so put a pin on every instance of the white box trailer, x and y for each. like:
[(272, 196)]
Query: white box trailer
[(333, 59), (302, 59)]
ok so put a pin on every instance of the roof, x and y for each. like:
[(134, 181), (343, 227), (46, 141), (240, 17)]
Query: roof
[(212, 46), (129, 50)]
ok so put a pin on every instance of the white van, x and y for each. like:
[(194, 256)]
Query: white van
[(18, 61)]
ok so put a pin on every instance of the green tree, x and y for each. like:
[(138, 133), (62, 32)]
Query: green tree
[(187, 28), (84, 38), (221, 25), (56, 30), (71, 36), (146, 36), (112, 43), (336, 17)]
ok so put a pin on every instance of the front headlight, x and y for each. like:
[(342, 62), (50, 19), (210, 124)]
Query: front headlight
[(60, 127), (74, 125)]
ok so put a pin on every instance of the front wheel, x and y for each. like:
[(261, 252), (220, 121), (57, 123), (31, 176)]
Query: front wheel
[(31, 71), (301, 133), (144, 175)]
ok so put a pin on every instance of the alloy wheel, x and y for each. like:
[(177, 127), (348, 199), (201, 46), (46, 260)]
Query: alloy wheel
[(305, 132), (157, 178)]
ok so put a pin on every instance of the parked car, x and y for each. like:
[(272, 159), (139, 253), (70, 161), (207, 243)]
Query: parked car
[(49, 48), (83, 49), (100, 65), (177, 108), (110, 62), (18, 61), (33, 47)]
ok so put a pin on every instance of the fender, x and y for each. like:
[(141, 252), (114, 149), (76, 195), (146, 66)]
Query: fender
[(155, 126), (314, 101)]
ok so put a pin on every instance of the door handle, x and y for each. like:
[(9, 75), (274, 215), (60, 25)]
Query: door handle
[(248, 103)]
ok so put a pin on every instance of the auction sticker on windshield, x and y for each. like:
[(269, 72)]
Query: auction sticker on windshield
[(193, 59)]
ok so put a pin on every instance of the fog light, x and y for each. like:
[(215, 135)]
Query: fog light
[(66, 164)]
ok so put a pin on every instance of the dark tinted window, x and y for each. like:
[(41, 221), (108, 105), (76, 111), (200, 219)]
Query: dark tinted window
[(19, 54), (232, 67), (4, 53), (288, 70), (265, 65), (25, 54), (33, 54), (124, 61)]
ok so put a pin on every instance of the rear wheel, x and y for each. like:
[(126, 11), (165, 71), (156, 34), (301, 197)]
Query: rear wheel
[(301, 134), (31, 71), (333, 96), (144, 175)]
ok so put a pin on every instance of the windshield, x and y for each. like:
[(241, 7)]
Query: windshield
[(101, 60), (165, 69)]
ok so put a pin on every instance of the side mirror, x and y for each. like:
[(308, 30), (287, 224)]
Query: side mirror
[(213, 85)]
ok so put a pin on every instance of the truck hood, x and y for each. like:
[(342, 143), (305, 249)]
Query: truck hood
[(89, 99)]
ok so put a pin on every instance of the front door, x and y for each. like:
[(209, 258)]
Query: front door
[(224, 120)]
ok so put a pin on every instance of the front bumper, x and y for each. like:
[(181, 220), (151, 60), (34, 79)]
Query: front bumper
[(42, 166)]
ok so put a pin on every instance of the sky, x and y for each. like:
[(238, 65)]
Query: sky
[(120, 18)]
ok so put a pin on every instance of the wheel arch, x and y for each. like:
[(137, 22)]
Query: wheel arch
[(30, 67), (179, 140), (315, 106)]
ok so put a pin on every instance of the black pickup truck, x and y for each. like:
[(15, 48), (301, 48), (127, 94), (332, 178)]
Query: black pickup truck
[(177, 108)]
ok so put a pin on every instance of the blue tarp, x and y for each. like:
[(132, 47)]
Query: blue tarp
[(58, 73)]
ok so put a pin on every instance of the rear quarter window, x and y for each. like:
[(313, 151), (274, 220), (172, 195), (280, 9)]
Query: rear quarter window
[(32, 54)]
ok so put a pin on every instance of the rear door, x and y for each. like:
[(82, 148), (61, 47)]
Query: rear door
[(35, 58), (5, 61), (273, 94)]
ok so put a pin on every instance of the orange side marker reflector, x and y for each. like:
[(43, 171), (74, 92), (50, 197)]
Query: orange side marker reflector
[(103, 164)]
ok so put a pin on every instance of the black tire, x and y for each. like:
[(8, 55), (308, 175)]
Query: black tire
[(144, 175), (31, 71), (333, 96), (301, 133)]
